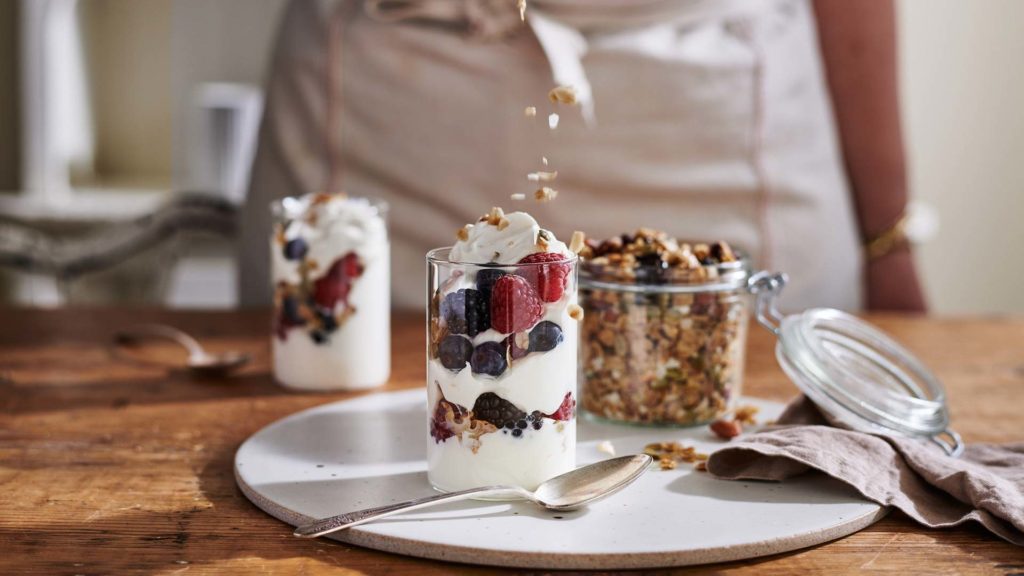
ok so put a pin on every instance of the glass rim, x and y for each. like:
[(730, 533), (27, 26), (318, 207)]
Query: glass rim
[(732, 276), (278, 210), (440, 256)]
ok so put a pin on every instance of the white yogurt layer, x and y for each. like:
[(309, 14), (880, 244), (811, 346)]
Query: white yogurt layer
[(501, 458), (331, 229), (486, 244), (358, 353)]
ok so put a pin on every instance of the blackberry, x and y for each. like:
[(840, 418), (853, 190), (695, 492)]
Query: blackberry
[(535, 419), (466, 311), (489, 358), (478, 312), (454, 351), (545, 336), (494, 409), (295, 249)]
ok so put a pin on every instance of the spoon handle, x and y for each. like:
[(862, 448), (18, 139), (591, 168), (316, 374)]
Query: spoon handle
[(350, 519)]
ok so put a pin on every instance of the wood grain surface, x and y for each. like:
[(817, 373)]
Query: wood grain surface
[(114, 462)]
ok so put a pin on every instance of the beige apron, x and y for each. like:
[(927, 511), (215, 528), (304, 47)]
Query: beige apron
[(706, 118)]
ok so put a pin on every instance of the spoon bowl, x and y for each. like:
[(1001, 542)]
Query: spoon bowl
[(199, 362), (568, 491)]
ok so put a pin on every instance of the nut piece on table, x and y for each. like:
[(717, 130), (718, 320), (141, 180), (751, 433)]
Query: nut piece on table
[(726, 429)]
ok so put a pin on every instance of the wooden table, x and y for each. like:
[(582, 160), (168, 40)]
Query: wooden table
[(110, 464)]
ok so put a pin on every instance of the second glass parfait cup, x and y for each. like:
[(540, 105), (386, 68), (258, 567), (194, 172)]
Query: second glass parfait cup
[(501, 372)]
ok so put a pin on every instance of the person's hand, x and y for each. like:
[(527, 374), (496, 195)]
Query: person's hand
[(892, 283)]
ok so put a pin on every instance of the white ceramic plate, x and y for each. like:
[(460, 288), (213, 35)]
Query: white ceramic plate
[(371, 451)]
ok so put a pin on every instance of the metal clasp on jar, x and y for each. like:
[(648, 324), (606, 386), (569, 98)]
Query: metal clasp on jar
[(766, 286)]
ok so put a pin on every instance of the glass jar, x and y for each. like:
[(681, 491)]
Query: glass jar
[(665, 353), (501, 372), (330, 268)]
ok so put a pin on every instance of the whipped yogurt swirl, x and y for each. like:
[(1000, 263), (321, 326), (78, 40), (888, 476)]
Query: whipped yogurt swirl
[(333, 225), (487, 244)]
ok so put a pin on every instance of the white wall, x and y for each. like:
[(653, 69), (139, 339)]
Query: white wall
[(963, 111)]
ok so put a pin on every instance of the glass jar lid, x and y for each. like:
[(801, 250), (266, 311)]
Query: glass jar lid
[(854, 372)]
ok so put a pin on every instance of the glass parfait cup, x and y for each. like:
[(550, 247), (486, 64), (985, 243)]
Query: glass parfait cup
[(330, 269), (501, 372)]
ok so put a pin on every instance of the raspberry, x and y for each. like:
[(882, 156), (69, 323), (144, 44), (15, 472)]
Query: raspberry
[(548, 279), (440, 429), (337, 282), (515, 306), (566, 411)]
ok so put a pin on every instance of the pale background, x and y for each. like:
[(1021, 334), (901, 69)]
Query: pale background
[(963, 112)]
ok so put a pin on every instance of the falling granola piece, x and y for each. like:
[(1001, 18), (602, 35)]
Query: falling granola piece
[(577, 242), (530, 111), (518, 196), (545, 194), (542, 176), (606, 447), (562, 95), (552, 121)]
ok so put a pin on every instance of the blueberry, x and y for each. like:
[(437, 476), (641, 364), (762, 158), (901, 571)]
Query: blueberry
[(318, 336), (521, 424), (290, 312), (489, 358), (295, 249), (454, 352), (545, 336), (517, 432)]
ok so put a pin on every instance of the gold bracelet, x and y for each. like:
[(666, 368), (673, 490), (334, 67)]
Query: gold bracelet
[(888, 240)]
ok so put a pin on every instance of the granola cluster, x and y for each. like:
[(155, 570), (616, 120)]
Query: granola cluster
[(660, 356)]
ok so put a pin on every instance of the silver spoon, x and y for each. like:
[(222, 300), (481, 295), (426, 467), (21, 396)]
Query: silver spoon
[(565, 492), (199, 360)]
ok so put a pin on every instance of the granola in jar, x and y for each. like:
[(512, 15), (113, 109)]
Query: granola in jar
[(663, 331)]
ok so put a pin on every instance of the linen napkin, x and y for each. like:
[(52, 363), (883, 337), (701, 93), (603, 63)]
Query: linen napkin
[(985, 484)]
